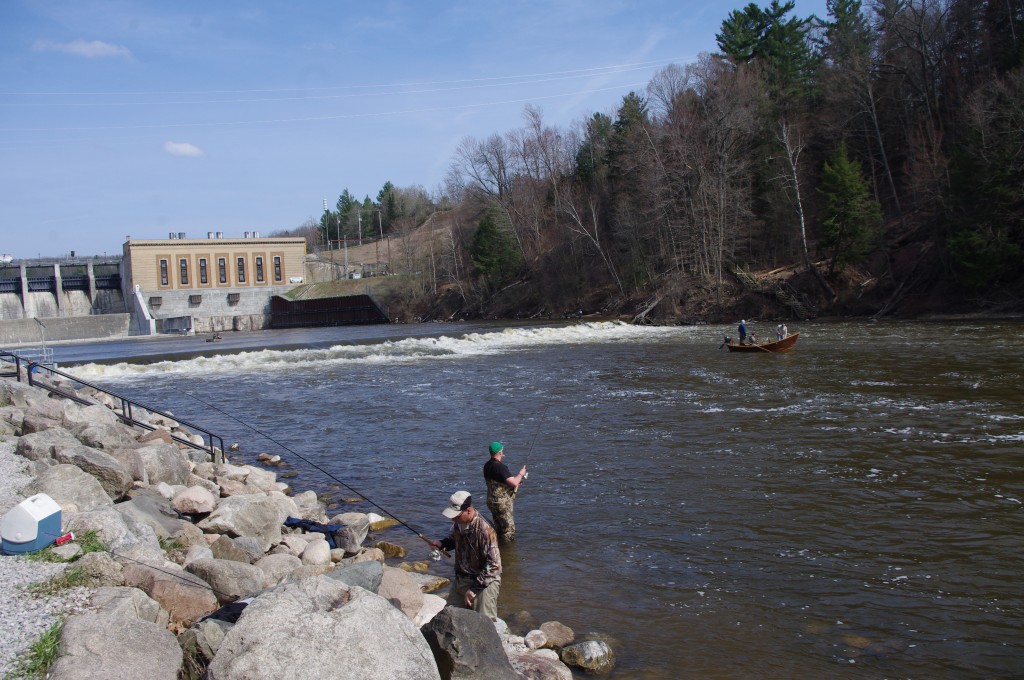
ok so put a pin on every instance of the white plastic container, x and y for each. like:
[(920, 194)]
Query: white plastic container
[(31, 525)]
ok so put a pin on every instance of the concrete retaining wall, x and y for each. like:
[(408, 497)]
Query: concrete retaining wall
[(97, 326)]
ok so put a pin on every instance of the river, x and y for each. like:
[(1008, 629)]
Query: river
[(852, 508)]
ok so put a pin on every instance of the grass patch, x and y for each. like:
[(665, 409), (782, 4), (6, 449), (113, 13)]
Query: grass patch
[(88, 541), (71, 578), (169, 544), (40, 656)]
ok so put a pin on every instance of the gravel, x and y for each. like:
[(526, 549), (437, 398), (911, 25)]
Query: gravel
[(23, 616)]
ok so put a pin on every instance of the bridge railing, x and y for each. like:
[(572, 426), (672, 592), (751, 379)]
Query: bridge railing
[(124, 407)]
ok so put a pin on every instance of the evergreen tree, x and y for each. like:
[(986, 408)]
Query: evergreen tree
[(388, 206), (493, 250), (851, 216)]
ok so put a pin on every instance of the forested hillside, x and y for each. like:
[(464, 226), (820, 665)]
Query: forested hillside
[(871, 160)]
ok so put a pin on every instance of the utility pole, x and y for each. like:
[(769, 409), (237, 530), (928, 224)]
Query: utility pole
[(359, 217)]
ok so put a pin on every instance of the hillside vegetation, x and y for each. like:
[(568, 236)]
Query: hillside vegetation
[(870, 162)]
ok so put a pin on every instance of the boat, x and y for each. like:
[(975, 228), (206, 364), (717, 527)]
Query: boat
[(784, 345), (214, 338)]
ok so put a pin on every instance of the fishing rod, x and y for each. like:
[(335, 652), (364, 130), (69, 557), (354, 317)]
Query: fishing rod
[(540, 422), (313, 465)]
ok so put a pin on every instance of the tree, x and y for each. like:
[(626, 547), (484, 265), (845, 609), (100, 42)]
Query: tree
[(851, 215), (493, 250), (388, 206)]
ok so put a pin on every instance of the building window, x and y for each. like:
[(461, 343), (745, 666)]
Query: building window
[(183, 265), (241, 270), (259, 269), (163, 272), (203, 279), (277, 268), (222, 269)]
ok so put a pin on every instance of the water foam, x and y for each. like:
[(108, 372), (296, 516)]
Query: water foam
[(388, 352)]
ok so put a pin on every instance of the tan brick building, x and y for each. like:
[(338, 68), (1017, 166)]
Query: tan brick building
[(210, 284)]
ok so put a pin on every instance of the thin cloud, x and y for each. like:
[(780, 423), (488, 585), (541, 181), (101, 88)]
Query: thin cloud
[(81, 48), (183, 149)]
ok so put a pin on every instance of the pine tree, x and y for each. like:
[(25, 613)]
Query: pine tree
[(852, 215)]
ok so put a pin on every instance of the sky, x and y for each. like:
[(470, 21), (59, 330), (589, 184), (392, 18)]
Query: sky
[(123, 118)]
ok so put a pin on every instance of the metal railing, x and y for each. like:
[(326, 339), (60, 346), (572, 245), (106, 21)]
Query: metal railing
[(213, 444)]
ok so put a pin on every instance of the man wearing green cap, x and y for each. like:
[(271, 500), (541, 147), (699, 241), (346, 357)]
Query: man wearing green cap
[(501, 492)]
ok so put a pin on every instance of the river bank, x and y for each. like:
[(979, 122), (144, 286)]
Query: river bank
[(183, 538)]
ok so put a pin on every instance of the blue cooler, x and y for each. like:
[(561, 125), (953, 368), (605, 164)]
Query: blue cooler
[(31, 525)]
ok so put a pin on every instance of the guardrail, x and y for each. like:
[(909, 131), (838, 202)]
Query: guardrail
[(212, 443)]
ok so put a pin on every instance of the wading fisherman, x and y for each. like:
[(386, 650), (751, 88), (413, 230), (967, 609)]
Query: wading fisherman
[(501, 492), (477, 560)]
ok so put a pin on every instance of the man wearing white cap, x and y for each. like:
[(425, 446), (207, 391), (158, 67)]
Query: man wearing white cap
[(477, 560)]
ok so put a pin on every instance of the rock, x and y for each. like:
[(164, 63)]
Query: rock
[(132, 462), (594, 656), (429, 583), (197, 552), (194, 500), (186, 597), (316, 552), (366, 575), (296, 543), (43, 444), (229, 580), (251, 546), (164, 463), (102, 569), (432, 606), (130, 603), (378, 523), (347, 540), (256, 516), (155, 512), (368, 554), (72, 489), (104, 646), (558, 635), (34, 423), (467, 647), (67, 552), (401, 590), (538, 667), (357, 521), (79, 417), (536, 639), (308, 506), (203, 639), (264, 480), (14, 393), (106, 437), (225, 549), (390, 549), (276, 567), (112, 476), (157, 435), (346, 632), (233, 487), (209, 485)]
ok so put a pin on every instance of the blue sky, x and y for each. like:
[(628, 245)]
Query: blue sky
[(143, 118)]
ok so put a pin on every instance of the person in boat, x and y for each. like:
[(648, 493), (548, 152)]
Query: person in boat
[(501, 492), (743, 331), (785, 331), (778, 332), (477, 559)]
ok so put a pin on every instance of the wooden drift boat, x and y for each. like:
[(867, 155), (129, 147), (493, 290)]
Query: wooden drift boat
[(784, 345)]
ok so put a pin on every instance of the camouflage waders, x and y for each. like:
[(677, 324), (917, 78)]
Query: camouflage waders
[(499, 501)]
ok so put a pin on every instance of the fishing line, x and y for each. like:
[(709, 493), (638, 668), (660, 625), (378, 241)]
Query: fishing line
[(311, 464), (540, 423)]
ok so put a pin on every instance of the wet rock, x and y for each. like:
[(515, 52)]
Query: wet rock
[(558, 634), (390, 549), (466, 646), (594, 656)]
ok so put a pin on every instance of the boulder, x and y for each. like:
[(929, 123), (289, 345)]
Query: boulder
[(129, 603), (558, 635), (467, 647), (157, 435), (104, 646), (594, 656), (539, 667), (79, 417), (106, 437), (432, 606), (102, 569), (132, 462), (42, 445), (14, 393), (194, 500), (401, 590), (367, 575), (535, 639), (199, 551), (203, 639), (233, 487), (256, 516), (359, 522), (276, 567), (316, 552), (186, 597), (50, 409), (33, 423), (112, 476), (390, 549), (155, 512), (229, 580), (430, 583), (264, 480), (164, 463), (308, 506), (224, 548), (11, 418), (122, 533), (251, 546), (345, 632), (72, 489)]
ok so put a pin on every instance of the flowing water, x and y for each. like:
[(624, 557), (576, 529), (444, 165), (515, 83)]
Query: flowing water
[(852, 508)]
